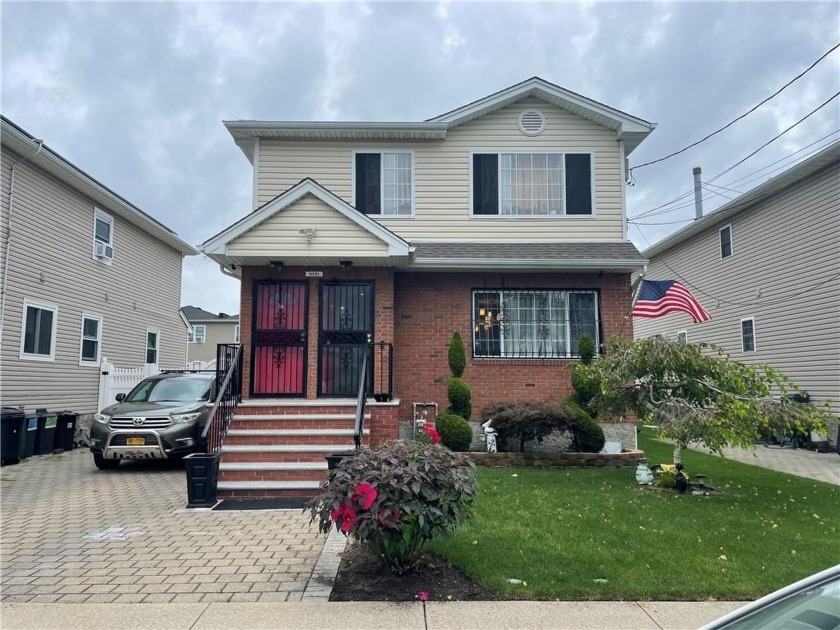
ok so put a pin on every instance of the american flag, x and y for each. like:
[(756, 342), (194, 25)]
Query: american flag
[(659, 297)]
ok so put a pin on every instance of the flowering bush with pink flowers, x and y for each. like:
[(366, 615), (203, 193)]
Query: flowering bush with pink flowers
[(395, 498), (428, 434)]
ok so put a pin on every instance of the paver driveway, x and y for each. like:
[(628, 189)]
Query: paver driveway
[(72, 533)]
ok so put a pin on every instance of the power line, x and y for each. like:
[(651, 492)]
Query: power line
[(740, 192), (714, 133)]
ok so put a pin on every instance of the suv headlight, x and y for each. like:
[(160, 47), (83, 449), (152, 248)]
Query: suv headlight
[(103, 418), (186, 417)]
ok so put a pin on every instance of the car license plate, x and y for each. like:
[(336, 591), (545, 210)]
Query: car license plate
[(135, 441)]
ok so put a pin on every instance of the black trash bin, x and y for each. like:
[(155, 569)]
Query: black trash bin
[(65, 430), (13, 435), (47, 423), (31, 439)]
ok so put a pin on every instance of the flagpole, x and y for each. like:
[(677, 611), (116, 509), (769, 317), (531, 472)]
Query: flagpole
[(634, 290)]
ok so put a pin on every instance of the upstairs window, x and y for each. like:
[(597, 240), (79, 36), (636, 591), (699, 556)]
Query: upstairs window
[(103, 236), (533, 324), (748, 334), (682, 337), (726, 241), (384, 183), (91, 340), (38, 338), (198, 334), (532, 184)]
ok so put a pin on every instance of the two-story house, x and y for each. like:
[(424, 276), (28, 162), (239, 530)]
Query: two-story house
[(207, 330), (503, 220), (85, 275), (766, 265)]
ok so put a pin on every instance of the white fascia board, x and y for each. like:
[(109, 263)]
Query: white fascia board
[(525, 263), (71, 175), (254, 128), (218, 244)]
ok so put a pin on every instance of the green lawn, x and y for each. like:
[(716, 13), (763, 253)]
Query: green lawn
[(560, 530)]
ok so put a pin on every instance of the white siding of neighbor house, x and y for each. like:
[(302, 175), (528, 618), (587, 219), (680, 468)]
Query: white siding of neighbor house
[(217, 332), (782, 249), (442, 176), (279, 235), (51, 261)]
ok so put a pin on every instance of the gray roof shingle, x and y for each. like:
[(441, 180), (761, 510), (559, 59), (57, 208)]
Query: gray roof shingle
[(561, 252)]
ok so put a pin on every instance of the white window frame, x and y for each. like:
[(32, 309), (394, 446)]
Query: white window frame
[(236, 334), (146, 346), (46, 306), (90, 362), (100, 215), (192, 336), (567, 324), (532, 217), (754, 335), (682, 337), (731, 242), (380, 151)]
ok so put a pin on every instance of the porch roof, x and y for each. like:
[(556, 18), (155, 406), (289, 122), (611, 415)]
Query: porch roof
[(608, 256)]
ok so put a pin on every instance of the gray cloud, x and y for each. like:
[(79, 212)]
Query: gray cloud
[(135, 93)]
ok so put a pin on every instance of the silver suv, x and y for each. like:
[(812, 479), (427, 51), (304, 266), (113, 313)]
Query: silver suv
[(161, 418)]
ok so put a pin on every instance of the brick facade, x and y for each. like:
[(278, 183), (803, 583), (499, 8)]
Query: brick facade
[(430, 307)]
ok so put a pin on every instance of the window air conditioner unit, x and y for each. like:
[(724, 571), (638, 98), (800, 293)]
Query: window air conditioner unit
[(103, 250)]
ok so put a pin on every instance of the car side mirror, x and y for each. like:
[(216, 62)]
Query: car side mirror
[(120, 397)]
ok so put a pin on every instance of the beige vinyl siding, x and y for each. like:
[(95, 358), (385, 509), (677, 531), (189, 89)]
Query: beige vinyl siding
[(782, 249), (217, 332), (51, 261), (280, 234), (442, 176)]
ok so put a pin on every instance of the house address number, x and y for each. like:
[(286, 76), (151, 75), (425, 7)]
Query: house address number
[(314, 274)]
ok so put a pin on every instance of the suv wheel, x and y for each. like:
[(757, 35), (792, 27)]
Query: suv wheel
[(105, 464)]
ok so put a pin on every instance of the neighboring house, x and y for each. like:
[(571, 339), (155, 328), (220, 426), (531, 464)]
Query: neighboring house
[(503, 220), (85, 275), (766, 266), (207, 330)]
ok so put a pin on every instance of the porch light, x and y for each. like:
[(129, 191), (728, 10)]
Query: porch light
[(277, 265)]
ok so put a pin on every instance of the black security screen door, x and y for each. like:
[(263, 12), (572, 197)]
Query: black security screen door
[(278, 365), (346, 330)]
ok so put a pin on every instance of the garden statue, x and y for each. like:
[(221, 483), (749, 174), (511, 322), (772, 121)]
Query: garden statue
[(644, 475), (490, 434)]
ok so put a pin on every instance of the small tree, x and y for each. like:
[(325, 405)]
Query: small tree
[(695, 392), (527, 421), (457, 389), (455, 432)]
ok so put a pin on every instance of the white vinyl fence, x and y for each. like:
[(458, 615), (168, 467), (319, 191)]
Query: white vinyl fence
[(114, 380)]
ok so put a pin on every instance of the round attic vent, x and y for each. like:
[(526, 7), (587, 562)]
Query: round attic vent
[(531, 122)]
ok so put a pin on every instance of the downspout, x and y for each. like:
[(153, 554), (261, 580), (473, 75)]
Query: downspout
[(9, 236), (228, 272)]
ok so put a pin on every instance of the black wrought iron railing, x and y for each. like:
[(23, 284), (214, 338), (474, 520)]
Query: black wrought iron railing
[(228, 395), (361, 399), (383, 371)]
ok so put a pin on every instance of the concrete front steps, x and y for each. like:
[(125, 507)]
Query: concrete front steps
[(276, 448)]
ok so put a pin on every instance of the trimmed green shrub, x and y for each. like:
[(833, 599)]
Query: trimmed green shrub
[(460, 398), (527, 421), (586, 349), (395, 498), (586, 388), (455, 432), (587, 434), (457, 355)]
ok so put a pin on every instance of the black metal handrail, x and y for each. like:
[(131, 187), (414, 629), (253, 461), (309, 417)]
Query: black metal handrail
[(228, 395), (383, 368), (361, 399)]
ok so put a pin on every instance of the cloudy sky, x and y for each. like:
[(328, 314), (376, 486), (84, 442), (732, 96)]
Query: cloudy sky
[(134, 93)]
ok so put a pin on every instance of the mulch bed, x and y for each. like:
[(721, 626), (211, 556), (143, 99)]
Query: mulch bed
[(361, 579)]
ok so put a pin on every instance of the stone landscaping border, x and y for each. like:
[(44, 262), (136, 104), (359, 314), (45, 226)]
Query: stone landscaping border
[(625, 459)]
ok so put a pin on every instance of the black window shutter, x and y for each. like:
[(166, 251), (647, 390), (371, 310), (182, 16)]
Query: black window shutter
[(485, 183), (578, 183), (367, 183)]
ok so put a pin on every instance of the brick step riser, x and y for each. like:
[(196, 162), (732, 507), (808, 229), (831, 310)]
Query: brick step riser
[(272, 475), (315, 456), (265, 494), (280, 440), (308, 425), (302, 410)]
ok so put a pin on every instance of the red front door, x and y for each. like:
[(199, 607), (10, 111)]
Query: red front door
[(278, 341)]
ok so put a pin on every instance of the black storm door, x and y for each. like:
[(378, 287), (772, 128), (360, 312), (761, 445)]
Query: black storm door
[(346, 331)]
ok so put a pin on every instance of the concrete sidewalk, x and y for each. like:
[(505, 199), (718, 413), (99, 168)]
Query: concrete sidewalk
[(530, 615)]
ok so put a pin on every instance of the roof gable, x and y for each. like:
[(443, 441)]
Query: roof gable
[(218, 244)]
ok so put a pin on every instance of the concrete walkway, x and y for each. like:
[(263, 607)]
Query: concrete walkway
[(800, 462)]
